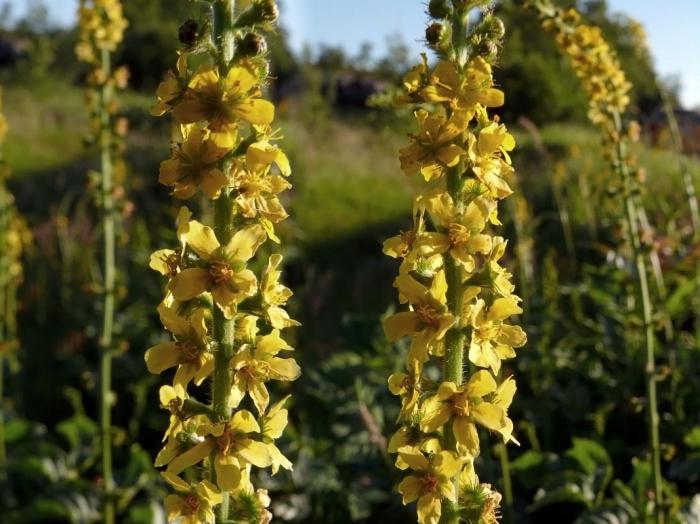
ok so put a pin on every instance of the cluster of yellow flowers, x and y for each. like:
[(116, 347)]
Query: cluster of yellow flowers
[(594, 62), (226, 322), (101, 24), (14, 236), (459, 296)]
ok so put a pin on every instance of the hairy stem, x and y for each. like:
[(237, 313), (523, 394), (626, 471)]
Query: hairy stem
[(632, 218), (224, 329), (109, 283)]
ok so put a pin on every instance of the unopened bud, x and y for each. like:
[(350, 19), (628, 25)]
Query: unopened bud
[(435, 33), (269, 11), (188, 32), (487, 49), (439, 9), (252, 44), (496, 29)]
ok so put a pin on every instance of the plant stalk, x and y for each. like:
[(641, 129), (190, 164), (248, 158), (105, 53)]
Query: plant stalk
[(4, 321), (224, 329), (108, 230), (632, 218), (453, 364)]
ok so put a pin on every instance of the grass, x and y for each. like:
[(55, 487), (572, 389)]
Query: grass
[(346, 172)]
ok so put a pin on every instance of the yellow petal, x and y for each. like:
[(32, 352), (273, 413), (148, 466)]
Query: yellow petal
[(175, 481), (244, 421), (190, 283), (260, 395), (414, 458), (255, 110), (245, 243), (503, 308), (481, 383), (410, 488), (201, 239), (192, 456), (255, 453), (429, 509), (488, 415), (228, 473), (159, 260), (161, 357), (401, 324)]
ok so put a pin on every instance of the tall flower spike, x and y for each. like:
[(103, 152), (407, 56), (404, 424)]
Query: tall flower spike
[(14, 236), (226, 320), (459, 296), (102, 24), (598, 68)]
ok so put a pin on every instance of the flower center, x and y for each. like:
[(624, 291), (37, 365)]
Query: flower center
[(220, 272), (427, 315), (225, 441), (458, 234), (192, 504), (188, 350), (430, 483)]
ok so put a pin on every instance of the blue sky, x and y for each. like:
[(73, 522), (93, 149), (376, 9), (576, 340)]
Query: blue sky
[(671, 27)]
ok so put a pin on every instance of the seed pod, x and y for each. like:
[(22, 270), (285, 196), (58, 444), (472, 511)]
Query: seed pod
[(495, 28), (439, 9), (252, 44), (434, 33), (269, 12), (188, 32)]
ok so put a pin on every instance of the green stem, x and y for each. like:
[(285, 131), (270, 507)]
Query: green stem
[(224, 329), (507, 484), (677, 141), (4, 321), (453, 364), (109, 297), (632, 217)]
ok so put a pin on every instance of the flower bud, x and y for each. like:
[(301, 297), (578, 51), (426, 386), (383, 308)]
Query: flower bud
[(439, 9), (188, 32), (252, 44), (487, 49), (269, 11), (495, 28), (435, 33)]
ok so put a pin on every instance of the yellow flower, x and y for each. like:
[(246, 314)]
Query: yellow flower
[(171, 90), (191, 504), (275, 295), (257, 192), (253, 366), (465, 406), (408, 386), (232, 446), (433, 150), (172, 398), (430, 483), (489, 157), (189, 351), (463, 92), (224, 101), (194, 164), (224, 273), (273, 423), (167, 261), (428, 321), (462, 235), (492, 340)]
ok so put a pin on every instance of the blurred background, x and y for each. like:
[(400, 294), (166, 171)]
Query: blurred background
[(579, 412)]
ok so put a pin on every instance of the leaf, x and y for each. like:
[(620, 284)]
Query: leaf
[(692, 438), (78, 430), (594, 460)]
